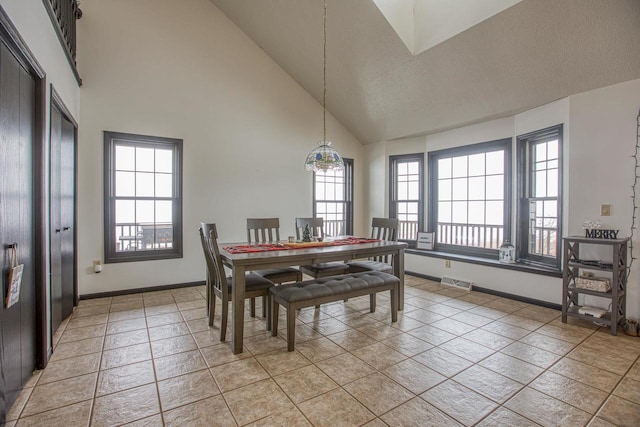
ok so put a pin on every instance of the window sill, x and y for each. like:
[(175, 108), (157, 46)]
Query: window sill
[(525, 268)]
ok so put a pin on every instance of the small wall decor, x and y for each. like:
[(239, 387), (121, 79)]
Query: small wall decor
[(425, 240), (595, 230), (507, 253), (15, 278)]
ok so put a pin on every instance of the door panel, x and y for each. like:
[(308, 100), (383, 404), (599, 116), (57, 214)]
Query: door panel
[(55, 228), (67, 203)]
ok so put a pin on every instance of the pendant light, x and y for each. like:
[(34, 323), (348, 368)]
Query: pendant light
[(324, 157)]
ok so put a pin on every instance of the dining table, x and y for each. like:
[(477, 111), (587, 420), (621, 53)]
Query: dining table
[(245, 257)]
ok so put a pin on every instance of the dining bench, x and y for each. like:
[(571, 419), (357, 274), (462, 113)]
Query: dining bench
[(324, 290)]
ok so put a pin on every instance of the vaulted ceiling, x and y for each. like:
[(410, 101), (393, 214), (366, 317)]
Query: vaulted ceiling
[(530, 54)]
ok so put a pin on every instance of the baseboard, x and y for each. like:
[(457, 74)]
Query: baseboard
[(139, 290), (514, 297)]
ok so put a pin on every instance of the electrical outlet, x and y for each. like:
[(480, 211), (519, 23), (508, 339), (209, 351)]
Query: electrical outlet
[(447, 263), (605, 210)]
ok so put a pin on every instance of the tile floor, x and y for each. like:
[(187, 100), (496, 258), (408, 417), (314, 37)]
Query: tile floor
[(453, 358)]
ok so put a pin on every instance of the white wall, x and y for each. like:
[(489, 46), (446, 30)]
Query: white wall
[(183, 70), (599, 138)]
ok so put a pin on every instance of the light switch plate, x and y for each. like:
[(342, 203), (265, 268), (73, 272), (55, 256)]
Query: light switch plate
[(605, 210)]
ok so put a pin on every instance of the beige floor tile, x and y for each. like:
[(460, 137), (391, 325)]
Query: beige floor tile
[(264, 343), (565, 332), (378, 355), (125, 355), (569, 391), (488, 312), (378, 392), (417, 413), (199, 325), (431, 334), (608, 360), (60, 393), (169, 346), (305, 383), (18, 405), (443, 310), (152, 421), (506, 330), (82, 322), (628, 389), (472, 319), (168, 331), (90, 310), (467, 349), (208, 337), (586, 374), (329, 326), (125, 339), (442, 361), (290, 417), (623, 345), (265, 398), (73, 415), (453, 326), (71, 367), (120, 299), (620, 412), (414, 376), (599, 422), (424, 317), (238, 374), (634, 372), (164, 319), (502, 417), (406, 323), (125, 377), (345, 368), (511, 367), (126, 326), (196, 313), (190, 305), (78, 334), (506, 305), (534, 355), (548, 343), (335, 408), (161, 309), (488, 339), (407, 344), (352, 339), (185, 389), (94, 302), (529, 402), (541, 314), (281, 361), (222, 353), (477, 298), (379, 331), (460, 403), (77, 348), (119, 316), (488, 383), (33, 379), (460, 304), (125, 406), (208, 412), (164, 300), (320, 349), (178, 364)]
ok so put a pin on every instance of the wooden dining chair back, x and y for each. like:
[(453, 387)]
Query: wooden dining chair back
[(219, 285), (315, 224), (382, 229), (323, 269), (263, 230), (267, 230)]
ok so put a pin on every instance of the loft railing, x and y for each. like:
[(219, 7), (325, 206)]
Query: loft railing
[(63, 15)]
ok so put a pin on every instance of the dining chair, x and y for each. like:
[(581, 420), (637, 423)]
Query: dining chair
[(382, 229), (219, 285), (322, 269), (267, 230)]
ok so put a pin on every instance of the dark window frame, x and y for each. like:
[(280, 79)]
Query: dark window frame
[(393, 197), (466, 150), (525, 144), (348, 192), (111, 139)]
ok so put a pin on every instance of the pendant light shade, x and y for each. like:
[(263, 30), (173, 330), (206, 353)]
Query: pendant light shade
[(324, 157)]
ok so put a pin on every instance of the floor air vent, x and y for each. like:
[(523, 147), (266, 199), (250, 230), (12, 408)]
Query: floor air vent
[(455, 283)]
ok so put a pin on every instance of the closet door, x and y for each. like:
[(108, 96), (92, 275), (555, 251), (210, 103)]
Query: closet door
[(17, 323)]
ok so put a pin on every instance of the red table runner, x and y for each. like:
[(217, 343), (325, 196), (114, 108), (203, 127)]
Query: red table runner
[(243, 249)]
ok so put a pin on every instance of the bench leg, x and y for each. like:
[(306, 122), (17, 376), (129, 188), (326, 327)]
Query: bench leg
[(252, 305), (372, 303), (394, 303), (212, 307), (266, 306), (291, 328), (223, 322), (274, 316)]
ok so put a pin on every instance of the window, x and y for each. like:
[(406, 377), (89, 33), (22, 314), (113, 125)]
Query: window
[(333, 199), (143, 197), (469, 207), (539, 190), (406, 198)]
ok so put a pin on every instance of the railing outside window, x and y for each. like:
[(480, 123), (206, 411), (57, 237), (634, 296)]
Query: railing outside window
[(474, 235)]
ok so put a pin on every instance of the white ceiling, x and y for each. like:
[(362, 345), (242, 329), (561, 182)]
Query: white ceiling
[(527, 55)]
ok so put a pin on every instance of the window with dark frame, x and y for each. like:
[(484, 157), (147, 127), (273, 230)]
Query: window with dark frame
[(333, 199), (469, 198), (540, 195), (142, 197), (407, 194)]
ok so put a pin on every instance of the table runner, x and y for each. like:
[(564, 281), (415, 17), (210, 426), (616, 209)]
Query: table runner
[(243, 249)]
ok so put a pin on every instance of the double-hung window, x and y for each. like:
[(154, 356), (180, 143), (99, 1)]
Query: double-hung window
[(469, 207), (142, 197), (333, 199), (539, 191), (406, 194)]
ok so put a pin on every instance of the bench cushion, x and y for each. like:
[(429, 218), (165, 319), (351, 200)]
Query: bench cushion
[(335, 285)]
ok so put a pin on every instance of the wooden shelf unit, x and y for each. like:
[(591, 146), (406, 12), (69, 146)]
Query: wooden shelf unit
[(572, 264)]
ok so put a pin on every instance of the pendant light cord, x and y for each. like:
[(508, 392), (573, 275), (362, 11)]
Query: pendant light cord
[(324, 74)]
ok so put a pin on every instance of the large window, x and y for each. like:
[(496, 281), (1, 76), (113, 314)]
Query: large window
[(406, 198), (539, 191), (469, 207), (333, 199), (143, 200)]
